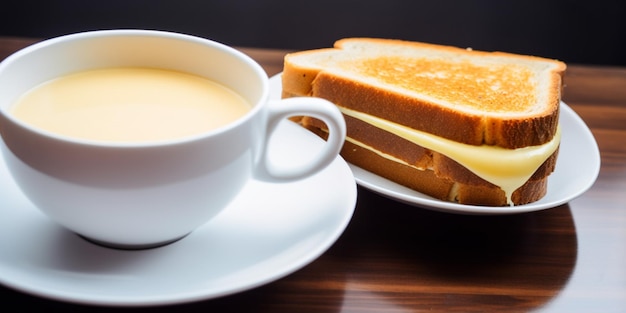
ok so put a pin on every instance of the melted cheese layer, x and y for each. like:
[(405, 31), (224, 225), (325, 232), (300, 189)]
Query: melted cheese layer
[(507, 168)]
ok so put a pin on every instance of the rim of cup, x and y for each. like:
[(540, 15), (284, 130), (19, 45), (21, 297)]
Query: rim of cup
[(167, 35)]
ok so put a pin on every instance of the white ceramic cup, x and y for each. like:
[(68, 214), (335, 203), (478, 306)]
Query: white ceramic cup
[(138, 195)]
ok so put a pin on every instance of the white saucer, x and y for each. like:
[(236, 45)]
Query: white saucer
[(577, 168), (270, 231)]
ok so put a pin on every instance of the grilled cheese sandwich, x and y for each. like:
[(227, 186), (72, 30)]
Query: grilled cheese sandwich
[(493, 114)]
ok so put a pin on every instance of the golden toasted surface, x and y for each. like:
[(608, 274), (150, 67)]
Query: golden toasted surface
[(505, 88)]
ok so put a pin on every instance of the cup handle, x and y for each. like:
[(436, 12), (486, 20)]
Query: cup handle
[(279, 110)]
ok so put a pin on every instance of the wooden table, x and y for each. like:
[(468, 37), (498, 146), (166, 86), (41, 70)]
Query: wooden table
[(398, 258)]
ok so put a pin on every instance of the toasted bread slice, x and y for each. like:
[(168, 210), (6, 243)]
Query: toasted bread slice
[(443, 186), (470, 97)]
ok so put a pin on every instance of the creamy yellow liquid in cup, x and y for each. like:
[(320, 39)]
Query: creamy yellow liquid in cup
[(130, 104)]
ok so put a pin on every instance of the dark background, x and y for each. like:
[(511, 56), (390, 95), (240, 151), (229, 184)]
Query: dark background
[(581, 31)]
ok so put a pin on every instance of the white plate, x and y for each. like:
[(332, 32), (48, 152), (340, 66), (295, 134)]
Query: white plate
[(270, 231), (577, 168)]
